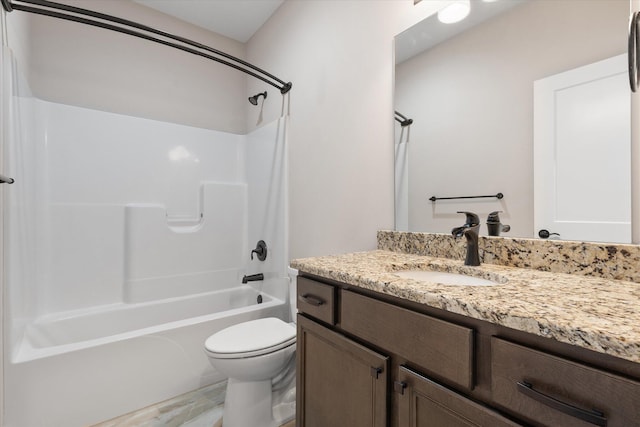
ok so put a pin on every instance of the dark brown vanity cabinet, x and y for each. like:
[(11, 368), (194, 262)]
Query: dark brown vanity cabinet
[(367, 359)]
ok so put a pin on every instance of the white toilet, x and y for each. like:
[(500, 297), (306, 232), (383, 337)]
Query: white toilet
[(251, 354)]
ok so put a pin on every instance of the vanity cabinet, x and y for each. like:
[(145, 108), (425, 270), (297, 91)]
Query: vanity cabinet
[(369, 359)]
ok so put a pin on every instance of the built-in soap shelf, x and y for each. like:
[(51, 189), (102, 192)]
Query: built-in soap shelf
[(185, 224), (176, 223)]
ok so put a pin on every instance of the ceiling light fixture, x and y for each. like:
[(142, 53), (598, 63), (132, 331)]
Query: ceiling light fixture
[(454, 12)]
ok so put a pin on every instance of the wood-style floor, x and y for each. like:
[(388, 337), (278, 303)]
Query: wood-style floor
[(289, 424), (199, 408)]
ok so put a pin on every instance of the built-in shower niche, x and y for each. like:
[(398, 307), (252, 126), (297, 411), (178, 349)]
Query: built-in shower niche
[(167, 257)]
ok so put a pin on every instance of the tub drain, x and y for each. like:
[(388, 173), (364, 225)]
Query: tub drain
[(259, 299)]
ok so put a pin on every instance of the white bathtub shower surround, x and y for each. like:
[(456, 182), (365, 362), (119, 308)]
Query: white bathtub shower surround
[(128, 240)]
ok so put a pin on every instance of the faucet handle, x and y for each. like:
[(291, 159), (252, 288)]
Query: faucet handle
[(494, 225), (494, 216), (260, 250), (472, 219)]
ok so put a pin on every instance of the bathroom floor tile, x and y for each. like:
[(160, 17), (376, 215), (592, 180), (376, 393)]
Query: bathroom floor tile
[(199, 408), (289, 424)]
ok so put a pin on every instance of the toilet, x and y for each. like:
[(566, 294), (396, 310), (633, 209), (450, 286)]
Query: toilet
[(251, 354)]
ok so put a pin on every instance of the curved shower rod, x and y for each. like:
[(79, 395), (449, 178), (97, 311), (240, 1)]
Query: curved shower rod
[(124, 26), (402, 119)]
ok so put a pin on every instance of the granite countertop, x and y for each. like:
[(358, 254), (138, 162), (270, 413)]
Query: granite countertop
[(595, 313)]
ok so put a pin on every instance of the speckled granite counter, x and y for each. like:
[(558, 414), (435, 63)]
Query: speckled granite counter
[(596, 313)]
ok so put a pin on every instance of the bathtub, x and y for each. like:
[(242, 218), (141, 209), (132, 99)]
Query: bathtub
[(123, 356)]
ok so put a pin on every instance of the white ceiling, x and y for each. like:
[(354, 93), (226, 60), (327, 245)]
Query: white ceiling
[(236, 19)]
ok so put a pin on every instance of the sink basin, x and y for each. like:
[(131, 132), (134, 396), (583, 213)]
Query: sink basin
[(445, 278)]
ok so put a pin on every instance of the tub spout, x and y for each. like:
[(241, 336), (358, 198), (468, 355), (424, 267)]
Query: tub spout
[(252, 278)]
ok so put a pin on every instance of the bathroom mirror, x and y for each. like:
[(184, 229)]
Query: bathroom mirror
[(471, 98)]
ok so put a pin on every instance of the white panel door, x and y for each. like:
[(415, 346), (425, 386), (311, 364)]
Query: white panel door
[(582, 163)]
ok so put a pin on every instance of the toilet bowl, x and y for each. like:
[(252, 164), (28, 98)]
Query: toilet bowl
[(251, 354)]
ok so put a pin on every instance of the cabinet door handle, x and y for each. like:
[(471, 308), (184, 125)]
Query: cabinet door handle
[(399, 386), (375, 372), (311, 299), (592, 417)]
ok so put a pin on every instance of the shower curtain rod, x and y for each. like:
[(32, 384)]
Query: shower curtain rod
[(124, 26), (402, 119)]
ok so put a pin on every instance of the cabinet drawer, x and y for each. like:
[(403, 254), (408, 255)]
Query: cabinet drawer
[(425, 403), (317, 300), (443, 350), (551, 391)]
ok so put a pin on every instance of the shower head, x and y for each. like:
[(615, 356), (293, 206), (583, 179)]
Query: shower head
[(254, 99)]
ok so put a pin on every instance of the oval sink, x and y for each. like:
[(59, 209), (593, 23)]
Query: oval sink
[(444, 278)]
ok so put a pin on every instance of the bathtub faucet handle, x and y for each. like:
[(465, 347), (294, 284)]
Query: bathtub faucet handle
[(260, 250)]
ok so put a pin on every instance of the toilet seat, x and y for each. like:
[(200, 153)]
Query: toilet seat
[(251, 339)]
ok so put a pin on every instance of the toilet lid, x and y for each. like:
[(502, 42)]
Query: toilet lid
[(251, 338)]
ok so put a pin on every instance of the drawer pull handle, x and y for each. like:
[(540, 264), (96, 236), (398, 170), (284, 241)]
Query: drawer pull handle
[(593, 417), (310, 299)]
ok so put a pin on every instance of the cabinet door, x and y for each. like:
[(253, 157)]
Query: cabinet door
[(424, 403), (340, 383)]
